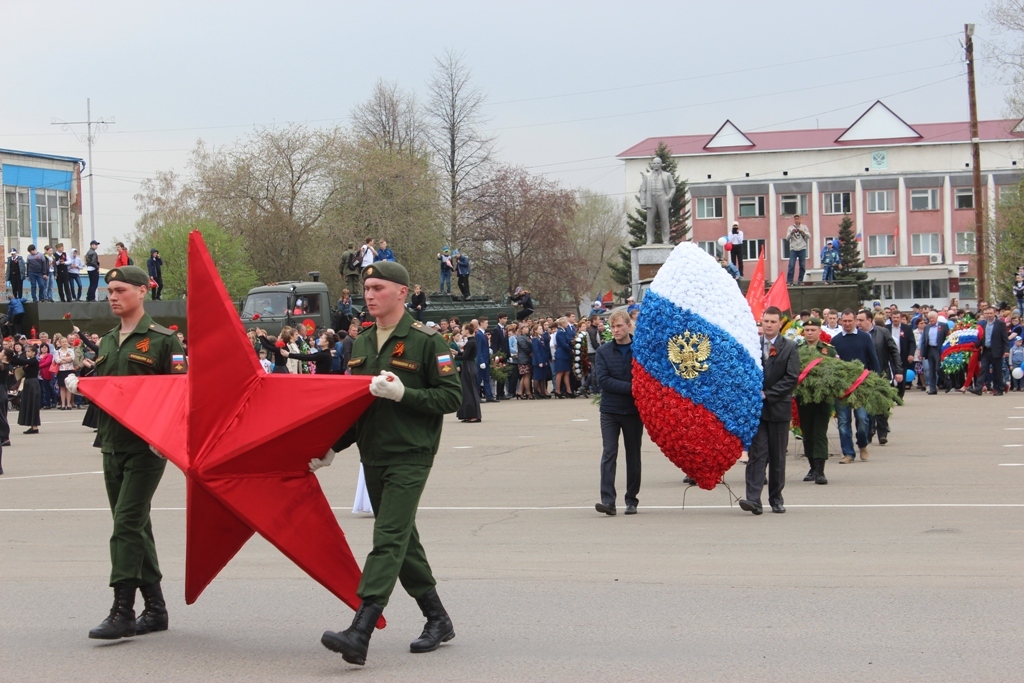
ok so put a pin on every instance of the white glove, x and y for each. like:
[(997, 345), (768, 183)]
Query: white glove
[(483, 366), (317, 463), (387, 385), (71, 382)]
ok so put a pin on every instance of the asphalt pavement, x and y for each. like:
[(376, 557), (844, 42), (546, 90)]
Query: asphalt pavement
[(909, 567)]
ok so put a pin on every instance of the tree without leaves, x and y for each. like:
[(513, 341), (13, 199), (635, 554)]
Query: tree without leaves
[(461, 150), (596, 232), (1007, 52), (390, 119), (1009, 245)]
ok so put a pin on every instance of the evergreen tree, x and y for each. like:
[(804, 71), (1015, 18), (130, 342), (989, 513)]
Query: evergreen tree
[(850, 262), (636, 222)]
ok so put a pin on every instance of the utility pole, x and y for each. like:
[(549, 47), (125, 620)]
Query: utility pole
[(980, 237), (101, 126)]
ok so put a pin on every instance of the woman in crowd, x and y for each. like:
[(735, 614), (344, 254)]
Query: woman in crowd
[(47, 388), (523, 299), (541, 363), (31, 392), (455, 344), (65, 360), (322, 358), (470, 410), (271, 345), (512, 359), (345, 310), (563, 359), (919, 368), (524, 347)]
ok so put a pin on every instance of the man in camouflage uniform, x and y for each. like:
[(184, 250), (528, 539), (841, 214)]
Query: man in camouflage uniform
[(814, 417), (416, 383), (138, 346)]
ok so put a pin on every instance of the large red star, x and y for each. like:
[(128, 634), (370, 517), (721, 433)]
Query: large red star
[(244, 440)]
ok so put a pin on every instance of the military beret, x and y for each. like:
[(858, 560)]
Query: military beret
[(813, 321), (385, 270), (133, 275)]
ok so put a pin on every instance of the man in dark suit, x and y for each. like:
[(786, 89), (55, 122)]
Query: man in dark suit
[(903, 335), (499, 344), (931, 350), (994, 344), (483, 360), (889, 365), (768, 449)]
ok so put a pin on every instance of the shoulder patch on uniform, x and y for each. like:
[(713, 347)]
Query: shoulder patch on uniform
[(356, 362), (100, 359), (179, 364), (160, 329), (425, 329), (445, 366)]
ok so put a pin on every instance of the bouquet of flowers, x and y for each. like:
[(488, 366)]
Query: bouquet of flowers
[(580, 362), (824, 379), (499, 368)]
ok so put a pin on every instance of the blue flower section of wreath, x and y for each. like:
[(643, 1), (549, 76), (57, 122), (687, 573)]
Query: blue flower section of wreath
[(730, 387)]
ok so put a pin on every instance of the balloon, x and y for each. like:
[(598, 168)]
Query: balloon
[(909, 376), (951, 324), (728, 246), (1018, 373), (722, 242)]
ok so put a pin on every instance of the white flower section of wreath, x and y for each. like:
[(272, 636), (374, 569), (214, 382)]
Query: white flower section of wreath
[(693, 280)]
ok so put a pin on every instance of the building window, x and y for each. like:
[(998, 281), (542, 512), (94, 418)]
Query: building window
[(53, 216), (881, 245), (751, 207), (709, 207), (793, 204), (883, 291), (19, 217), (710, 247), (751, 249), (836, 203), (965, 243), (1008, 194), (881, 201), (925, 244), (964, 198), (968, 288), (785, 249), (924, 200), (930, 289)]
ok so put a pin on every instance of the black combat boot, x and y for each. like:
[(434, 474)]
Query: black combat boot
[(438, 628), (120, 623), (354, 641), (813, 472), (154, 616), (819, 472)]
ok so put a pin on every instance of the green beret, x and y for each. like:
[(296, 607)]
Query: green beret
[(813, 321), (133, 275), (386, 270)]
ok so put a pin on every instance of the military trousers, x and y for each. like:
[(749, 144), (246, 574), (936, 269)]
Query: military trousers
[(814, 419), (397, 554), (131, 480)]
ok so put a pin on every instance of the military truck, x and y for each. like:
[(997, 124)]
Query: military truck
[(281, 304)]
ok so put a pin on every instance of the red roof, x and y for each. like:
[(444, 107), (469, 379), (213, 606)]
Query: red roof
[(825, 138)]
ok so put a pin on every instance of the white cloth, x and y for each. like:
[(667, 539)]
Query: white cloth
[(387, 385), (362, 501), (736, 238), (368, 255)]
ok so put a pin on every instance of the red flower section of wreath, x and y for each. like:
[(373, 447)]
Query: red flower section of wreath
[(688, 434)]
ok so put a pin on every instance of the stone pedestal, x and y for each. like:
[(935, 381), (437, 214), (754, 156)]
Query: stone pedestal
[(645, 261)]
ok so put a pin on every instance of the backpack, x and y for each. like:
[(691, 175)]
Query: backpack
[(130, 261), (355, 260)]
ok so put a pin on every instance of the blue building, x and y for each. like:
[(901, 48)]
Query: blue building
[(42, 200)]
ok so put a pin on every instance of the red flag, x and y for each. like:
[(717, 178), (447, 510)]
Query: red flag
[(778, 296), (755, 292), (608, 299)]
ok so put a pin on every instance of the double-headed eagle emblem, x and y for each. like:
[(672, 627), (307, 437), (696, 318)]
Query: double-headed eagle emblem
[(687, 353)]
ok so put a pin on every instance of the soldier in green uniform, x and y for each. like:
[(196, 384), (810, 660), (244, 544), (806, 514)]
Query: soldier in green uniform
[(416, 383), (138, 346), (814, 417)]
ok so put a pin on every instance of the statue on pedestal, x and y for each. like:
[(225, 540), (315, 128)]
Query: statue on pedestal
[(656, 191)]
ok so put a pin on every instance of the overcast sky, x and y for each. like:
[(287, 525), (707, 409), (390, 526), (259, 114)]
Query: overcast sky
[(569, 84)]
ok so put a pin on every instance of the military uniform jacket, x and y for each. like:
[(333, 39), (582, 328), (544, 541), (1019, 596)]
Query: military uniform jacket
[(150, 350), (409, 431)]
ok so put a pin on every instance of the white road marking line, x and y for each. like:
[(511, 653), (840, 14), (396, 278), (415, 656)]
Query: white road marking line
[(1011, 464), (41, 476), (591, 507), (1012, 445), (1015, 417), (1014, 429), (581, 419)]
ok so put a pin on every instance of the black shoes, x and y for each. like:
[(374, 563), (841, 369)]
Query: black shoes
[(976, 392), (154, 616), (882, 440), (31, 431), (689, 480), (605, 509), (353, 642), (819, 471), (438, 628), (120, 623), (631, 509), (811, 472), (780, 508), (751, 506)]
